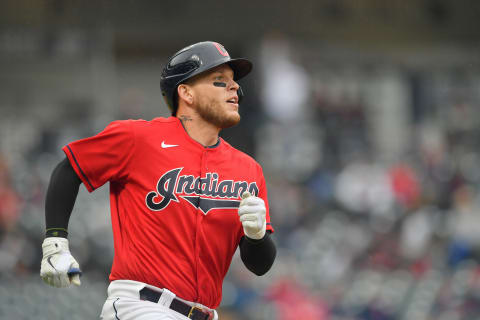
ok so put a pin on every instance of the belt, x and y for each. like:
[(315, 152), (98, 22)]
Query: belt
[(191, 312)]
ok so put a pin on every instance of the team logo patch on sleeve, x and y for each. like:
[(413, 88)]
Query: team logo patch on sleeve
[(205, 193)]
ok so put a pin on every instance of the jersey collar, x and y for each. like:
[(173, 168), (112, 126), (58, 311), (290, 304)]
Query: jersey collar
[(187, 136)]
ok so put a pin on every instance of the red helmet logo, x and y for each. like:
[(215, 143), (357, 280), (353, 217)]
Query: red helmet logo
[(221, 49)]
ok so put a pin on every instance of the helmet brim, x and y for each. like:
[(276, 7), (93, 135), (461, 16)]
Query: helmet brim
[(241, 67)]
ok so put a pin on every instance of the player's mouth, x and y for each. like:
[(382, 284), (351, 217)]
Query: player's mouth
[(233, 100)]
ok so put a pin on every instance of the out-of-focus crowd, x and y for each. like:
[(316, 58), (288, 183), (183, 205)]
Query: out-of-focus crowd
[(369, 224)]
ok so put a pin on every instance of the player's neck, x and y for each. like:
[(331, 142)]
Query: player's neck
[(199, 130)]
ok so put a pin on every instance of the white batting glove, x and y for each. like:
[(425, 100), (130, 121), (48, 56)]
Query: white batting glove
[(252, 214), (59, 269)]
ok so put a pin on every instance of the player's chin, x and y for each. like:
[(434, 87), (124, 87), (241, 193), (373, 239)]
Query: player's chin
[(230, 119), (231, 108)]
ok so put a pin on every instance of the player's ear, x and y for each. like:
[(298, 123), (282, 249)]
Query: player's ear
[(185, 93)]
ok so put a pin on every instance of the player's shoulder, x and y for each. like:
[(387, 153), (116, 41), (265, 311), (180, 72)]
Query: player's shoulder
[(141, 123), (168, 121), (240, 155), (154, 121)]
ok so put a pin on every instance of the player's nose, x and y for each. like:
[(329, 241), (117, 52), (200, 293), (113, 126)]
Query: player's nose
[(234, 85)]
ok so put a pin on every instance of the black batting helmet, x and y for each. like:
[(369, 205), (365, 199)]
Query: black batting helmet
[(193, 60)]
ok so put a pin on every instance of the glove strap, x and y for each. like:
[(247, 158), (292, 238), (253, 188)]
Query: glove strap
[(56, 232)]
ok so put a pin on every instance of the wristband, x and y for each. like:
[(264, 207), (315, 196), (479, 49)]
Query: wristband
[(56, 232)]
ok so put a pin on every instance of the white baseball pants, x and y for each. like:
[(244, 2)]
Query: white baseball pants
[(123, 303)]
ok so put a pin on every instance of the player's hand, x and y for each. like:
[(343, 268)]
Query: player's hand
[(252, 214), (59, 269)]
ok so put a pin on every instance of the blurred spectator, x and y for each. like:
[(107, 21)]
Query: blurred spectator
[(463, 224), (405, 185), (416, 234), (285, 88), (365, 188), (10, 204), (286, 293)]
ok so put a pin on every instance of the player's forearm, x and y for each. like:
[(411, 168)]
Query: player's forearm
[(258, 255), (61, 195)]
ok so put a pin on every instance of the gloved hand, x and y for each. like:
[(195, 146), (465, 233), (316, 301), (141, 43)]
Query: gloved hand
[(59, 269), (252, 214)]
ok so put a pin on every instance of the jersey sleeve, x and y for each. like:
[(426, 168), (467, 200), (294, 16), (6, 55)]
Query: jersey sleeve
[(103, 157), (262, 193)]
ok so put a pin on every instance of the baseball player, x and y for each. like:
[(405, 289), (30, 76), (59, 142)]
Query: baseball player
[(182, 199)]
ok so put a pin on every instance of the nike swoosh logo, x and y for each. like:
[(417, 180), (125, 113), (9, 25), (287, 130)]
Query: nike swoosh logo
[(50, 263), (164, 145)]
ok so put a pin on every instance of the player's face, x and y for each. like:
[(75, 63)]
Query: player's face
[(217, 98)]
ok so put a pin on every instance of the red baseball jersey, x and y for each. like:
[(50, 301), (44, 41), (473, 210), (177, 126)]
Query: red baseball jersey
[(173, 203)]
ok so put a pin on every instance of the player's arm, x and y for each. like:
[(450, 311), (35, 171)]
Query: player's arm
[(258, 255), (61, 195), (59, 268), (257, 248)]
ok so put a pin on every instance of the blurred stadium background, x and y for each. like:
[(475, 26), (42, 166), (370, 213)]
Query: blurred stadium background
[(364, 115)]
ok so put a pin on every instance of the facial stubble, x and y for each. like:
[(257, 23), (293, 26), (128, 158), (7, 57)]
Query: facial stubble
[(212, 112)]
